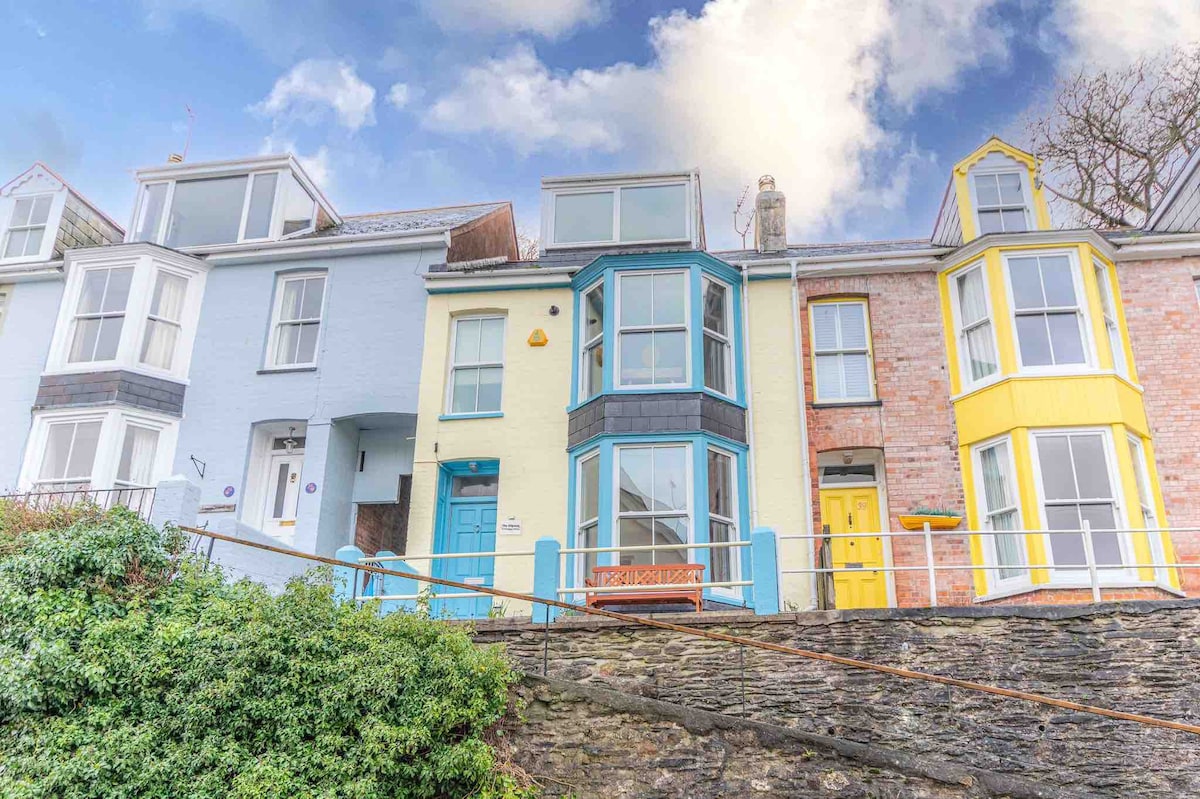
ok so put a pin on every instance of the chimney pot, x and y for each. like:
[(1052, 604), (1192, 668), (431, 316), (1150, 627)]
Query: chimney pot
[(770, 217)]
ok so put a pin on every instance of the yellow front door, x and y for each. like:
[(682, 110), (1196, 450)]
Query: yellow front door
[(853, 510)]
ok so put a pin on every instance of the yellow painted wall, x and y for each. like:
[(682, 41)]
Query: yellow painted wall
[(529, 440), (777, 465)]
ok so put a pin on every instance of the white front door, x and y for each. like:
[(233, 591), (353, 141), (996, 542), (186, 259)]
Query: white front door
[(283, 492)]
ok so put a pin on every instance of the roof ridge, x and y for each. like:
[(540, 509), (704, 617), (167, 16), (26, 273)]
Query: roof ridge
[(424, 210)]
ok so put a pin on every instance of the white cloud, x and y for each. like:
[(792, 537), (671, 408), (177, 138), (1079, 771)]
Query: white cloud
[(548, 19), (316, 165), (744, 88), (398, 95), (1112, 34), (313, 87)]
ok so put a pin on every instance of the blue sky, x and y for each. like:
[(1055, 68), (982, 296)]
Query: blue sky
[(859, 107)]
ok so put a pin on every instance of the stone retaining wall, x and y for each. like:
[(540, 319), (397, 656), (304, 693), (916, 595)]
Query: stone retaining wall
[(1134, 656)]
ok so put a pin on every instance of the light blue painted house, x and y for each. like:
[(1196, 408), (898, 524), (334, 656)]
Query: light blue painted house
[(249, 338)]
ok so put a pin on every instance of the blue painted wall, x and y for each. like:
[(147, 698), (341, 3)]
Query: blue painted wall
[(24, 344), (369, 362)]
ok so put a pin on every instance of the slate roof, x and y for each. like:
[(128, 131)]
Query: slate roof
[(407, 221), (849, 248)]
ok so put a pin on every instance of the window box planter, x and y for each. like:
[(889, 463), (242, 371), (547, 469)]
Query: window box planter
[(918, 521)]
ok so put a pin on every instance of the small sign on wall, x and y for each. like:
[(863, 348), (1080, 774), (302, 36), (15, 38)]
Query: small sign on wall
[(538, 338), (510, 526)]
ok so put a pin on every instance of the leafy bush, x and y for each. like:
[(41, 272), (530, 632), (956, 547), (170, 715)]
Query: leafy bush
[(921, 510), (18, 518), (128, 671)]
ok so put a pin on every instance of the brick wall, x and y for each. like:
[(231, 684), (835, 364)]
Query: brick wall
[(384, 525), (913, 423), (1163, 317)]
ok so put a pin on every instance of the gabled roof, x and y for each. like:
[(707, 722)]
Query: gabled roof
[(42, 166), (1179, 208), (424, 219), (947, 228)]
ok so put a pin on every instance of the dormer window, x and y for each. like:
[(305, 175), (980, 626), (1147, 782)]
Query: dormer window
[(27, 226), (636, 210), (261, 205), (1000, 203)]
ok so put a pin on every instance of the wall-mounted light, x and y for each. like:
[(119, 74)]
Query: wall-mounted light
[(289, 443), (473, 466), (847, 458)]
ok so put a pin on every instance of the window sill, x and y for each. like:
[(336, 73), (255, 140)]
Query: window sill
[(851, 404), (286, 370), (453, 417), (1105, 585)]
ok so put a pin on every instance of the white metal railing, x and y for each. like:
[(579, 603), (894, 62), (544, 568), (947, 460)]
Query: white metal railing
[(1095, 571), (566, 590)]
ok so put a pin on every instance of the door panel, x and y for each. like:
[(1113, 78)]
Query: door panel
[(471, 528), (283, 494), (850, 510)]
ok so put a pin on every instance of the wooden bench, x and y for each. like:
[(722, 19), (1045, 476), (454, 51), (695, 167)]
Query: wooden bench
[(645, 585)]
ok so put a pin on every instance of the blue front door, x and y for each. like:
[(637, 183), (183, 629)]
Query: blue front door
[(471, 528)]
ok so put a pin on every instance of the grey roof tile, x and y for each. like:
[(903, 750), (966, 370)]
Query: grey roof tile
[(819, 250), (407, 221)]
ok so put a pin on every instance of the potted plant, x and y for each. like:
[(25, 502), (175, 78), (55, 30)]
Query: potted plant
[(936, 518)]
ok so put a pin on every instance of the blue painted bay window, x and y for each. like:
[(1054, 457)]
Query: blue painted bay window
[(658, 322), (629, 491)]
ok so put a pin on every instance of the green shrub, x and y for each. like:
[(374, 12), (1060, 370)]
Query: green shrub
[(127, 671), (18, 519)]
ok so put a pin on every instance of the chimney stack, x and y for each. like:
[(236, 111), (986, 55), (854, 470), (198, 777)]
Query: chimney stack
[(770, 217)]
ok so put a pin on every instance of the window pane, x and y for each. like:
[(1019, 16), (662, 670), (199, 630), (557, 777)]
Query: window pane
[(466, 341), (58, 449), (83, 454), (636, 300), (589, 488), (1065, 339), (33, 240), (635, 465), (158, 348), (314, 295), (853, 326), (636, 533), (491, 344), (593, 310), (1026, 282), (1010, 188), (137, 456), (298, 206), (637, 359), (1056, 276), (92, 292), (670, 357), (588, 539), (583, 217), (986, 190), (593, 366), (670, 478), (489, 390), (825, 324), (150, 215), (716, 355), (465, 386), (293, 295), (1067, 550), (671, 530), (1014, 221), (1105, 546), (829, 378), (475, 485), (1054, 459), (22, 211), (852, 473), (715, 308), (972, 301), (206, 211), (262, 199), (670, 298), (41, 210), (306, 347), (280, 490), (285, 349), (84, 342), (993, 462), (981, 351), (720, 560), (720, 484), (857, 376), (15, 246), (117, 293), (1091, 465), (108, 339), (990, 222), (654, 212), (169, 293), (1034, 340)]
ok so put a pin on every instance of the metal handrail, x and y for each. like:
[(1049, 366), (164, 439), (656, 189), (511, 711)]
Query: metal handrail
[(615, 589), (653, 547), (448, 556)]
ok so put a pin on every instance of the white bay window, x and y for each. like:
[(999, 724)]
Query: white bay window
[(100, 314), (995, 474), (653, 502), (1108, 309), (973, 320), (652, 329), (1047, 311)]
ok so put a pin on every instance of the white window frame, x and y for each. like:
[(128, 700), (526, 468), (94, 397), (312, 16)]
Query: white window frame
[(152, 317), (686, 328), (581, 562), (452, 366), (690, 485), (1105, 277), (281, 281), (77, 316), (146, 262), (587, 344), (275, 230), (995, 582), (1026, 194), (1146, 501), (735, 553), (52, 215), (869, 351), (726, 339), (1108, 575), (1082, 311), (960, 332), (614, 188), (113, 423)]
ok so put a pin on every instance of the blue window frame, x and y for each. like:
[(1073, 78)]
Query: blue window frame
[(685, 490), (659, 322)]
